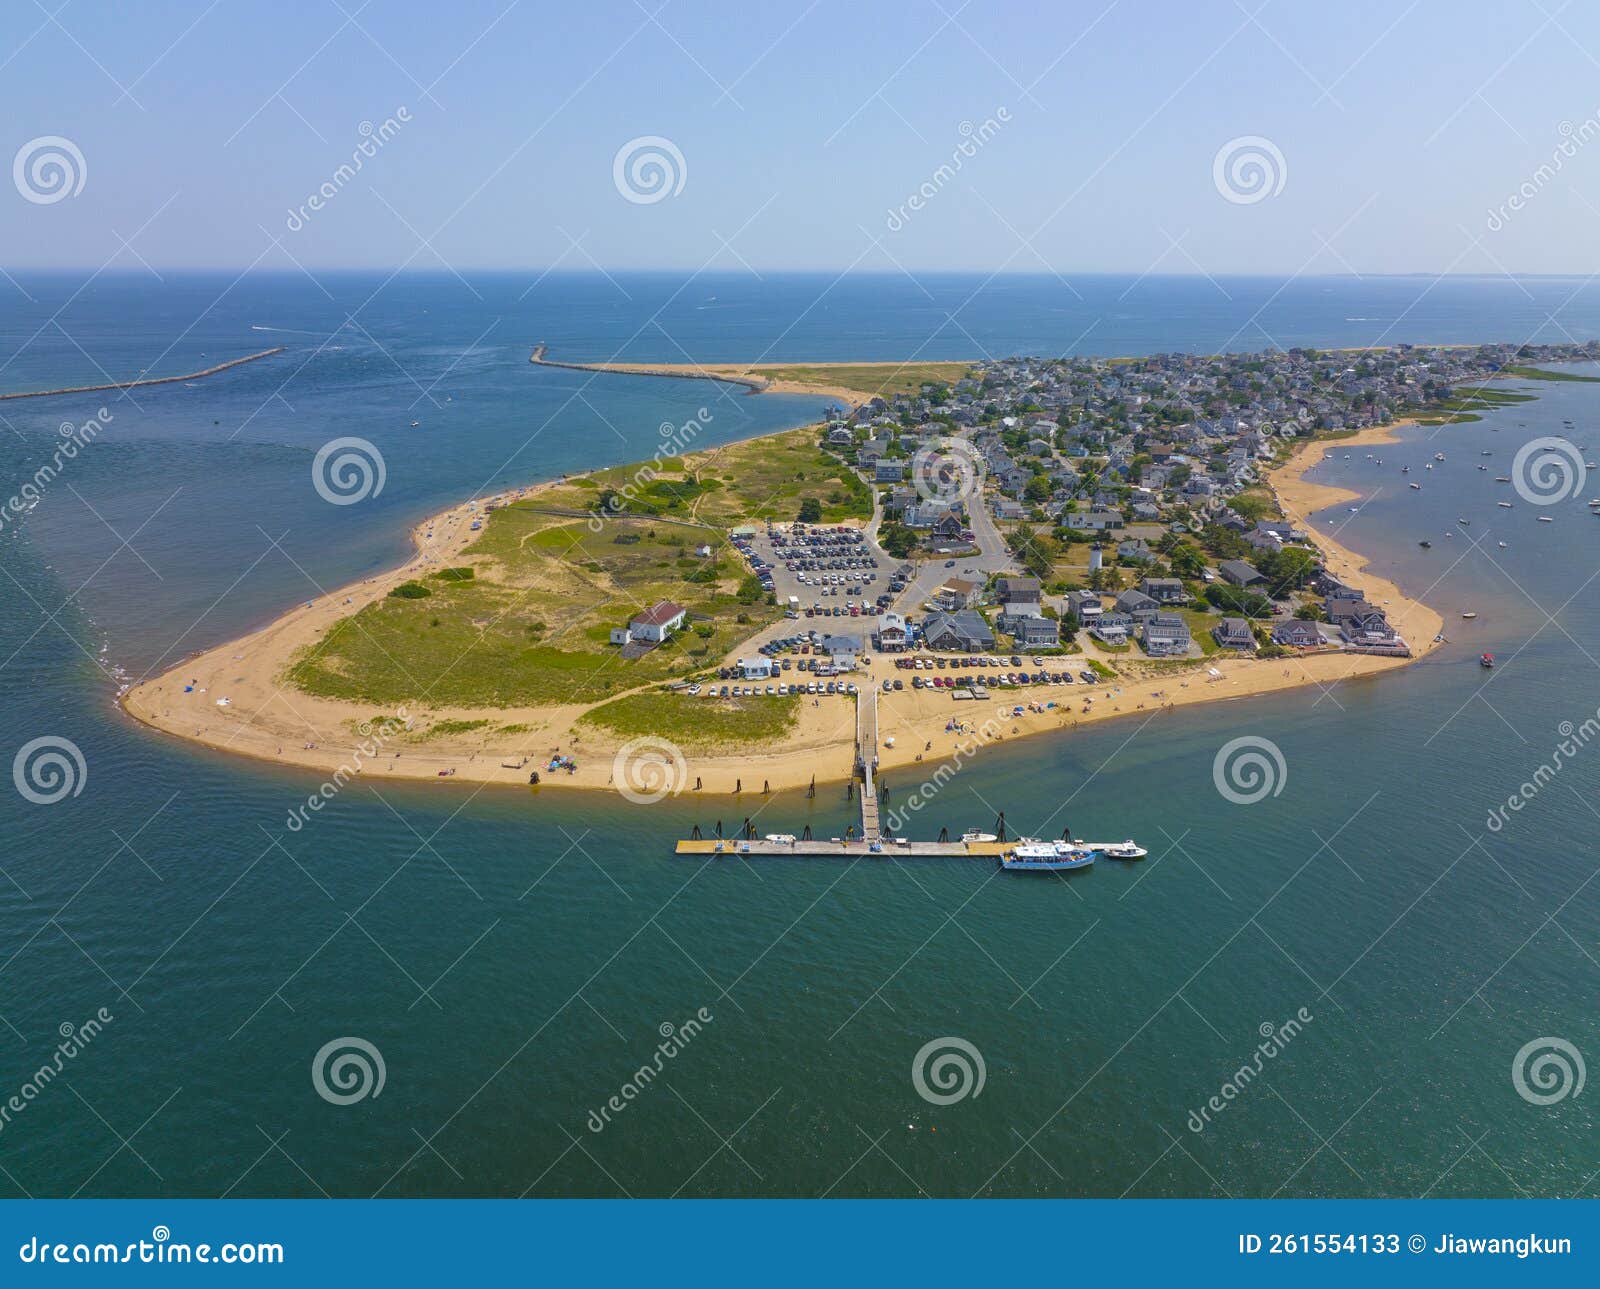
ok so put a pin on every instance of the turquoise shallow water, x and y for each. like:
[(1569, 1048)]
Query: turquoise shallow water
[(513, 956)]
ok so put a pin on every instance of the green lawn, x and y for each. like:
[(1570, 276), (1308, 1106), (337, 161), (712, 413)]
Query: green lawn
[(531, 627), (699, 724)]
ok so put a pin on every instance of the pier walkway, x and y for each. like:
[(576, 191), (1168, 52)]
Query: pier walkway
[(867, 761)]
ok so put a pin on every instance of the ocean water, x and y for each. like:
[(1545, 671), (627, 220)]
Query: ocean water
[(514, 955)]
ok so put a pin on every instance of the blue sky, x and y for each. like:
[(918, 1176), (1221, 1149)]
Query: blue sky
[(1400, 132)]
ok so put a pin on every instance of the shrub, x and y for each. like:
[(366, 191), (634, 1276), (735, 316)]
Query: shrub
[(410, 591)]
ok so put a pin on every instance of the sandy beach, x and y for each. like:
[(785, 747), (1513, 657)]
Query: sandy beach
[(754, 377), (233, 697)]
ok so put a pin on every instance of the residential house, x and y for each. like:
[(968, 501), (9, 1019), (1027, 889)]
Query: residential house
[(1239, 573), (1113, 627), (957, 593), (1165, 636), (1297, 634), (1164, 590), (1032, 632), (1019, 595), (963, 631), (1093, 520), (658, 621), (1085, 606), (1138, 606), (1234, 633)]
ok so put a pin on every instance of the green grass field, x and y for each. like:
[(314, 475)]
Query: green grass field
[(524, 617), (1541, 373), (699, 724)]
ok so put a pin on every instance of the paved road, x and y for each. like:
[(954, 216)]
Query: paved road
[(992, 557)]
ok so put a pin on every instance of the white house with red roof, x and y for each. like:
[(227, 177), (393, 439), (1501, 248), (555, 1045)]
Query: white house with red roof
[(658, 621)]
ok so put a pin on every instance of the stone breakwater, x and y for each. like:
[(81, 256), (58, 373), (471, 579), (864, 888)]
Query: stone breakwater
[(148, 380), (755, 384)]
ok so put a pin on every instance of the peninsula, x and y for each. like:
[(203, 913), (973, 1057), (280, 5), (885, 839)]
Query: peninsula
[(1027, 545)]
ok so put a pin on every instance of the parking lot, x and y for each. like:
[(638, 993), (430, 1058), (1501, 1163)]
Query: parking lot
[(822, 570)]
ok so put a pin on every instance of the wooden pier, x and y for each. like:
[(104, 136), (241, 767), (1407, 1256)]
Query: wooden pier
[(852, 848), (871, 842)]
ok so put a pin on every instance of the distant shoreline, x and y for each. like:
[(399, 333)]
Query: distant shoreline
[(148, 380)]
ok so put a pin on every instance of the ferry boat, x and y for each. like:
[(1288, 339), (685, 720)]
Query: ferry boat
[(1046, 857)]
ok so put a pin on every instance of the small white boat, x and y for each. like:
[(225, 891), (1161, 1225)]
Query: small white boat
[(1469, 615), (780, 838), (974, 835), (1115, 849), (1416, 487), (1503, 545), (1462, 521), (1504, 505), (1438, 456), (1546, 519)]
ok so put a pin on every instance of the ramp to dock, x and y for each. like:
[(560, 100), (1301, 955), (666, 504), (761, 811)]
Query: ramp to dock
[(867, 761)]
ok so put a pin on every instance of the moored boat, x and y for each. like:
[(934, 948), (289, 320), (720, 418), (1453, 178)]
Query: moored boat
[(1046, 857), (1115, 849), (1486, 660)]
